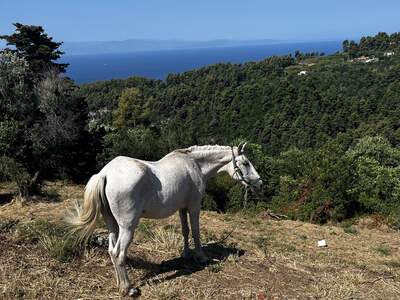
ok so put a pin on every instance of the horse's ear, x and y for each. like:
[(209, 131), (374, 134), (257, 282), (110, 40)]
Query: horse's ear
[(241, 148)]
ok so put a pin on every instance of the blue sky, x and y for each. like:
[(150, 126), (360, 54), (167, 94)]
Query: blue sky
[(104, 20)]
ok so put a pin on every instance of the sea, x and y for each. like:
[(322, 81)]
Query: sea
[(158, 64)]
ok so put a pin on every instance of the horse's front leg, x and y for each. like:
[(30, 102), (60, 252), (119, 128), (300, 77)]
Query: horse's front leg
[(194, 215), (185, 233)]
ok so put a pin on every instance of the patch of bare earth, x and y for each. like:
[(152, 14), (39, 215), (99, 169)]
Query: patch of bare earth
[(252, 258)]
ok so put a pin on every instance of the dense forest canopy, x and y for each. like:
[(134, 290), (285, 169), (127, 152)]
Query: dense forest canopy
[(324, 131)]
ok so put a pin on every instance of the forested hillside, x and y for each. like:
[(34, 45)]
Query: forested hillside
[(324, 130)]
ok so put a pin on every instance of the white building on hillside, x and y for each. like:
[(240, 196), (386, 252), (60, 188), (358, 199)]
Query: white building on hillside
[(388, 54), (371, 60)]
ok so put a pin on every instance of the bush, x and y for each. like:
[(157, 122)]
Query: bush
[(375, 165), (209, 203), (217, 192), (14, 171), (236, 199)]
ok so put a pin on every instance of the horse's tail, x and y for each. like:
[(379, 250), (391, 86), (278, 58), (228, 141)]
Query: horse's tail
[(84, 218)]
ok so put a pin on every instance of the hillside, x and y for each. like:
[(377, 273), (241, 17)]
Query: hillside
[(253, 258), (266, 102), (324, 130)]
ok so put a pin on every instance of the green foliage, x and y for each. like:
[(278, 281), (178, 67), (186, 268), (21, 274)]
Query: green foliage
[(375, 45), (264, 244), (52, 237), (236, 198), (15, 87), (350, 230), (376, 173), (145, 229), (103, 98), (140, 142), (7, 225), (306, 131), (132, 110), (336, 183), (59, 248), (215, 268), (383, 250), (217, 192), (42, 126), (33, 44), (325, 144), (209, 203), (14, 171)]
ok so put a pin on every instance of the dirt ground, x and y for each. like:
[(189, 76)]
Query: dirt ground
[(252, 257)]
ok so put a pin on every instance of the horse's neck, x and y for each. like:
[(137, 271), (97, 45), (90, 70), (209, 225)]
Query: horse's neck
[(211, 161)]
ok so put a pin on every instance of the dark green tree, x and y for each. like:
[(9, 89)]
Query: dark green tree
[(345, 45), (32, 43)]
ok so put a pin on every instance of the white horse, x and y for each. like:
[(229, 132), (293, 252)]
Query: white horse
[(127, 189)]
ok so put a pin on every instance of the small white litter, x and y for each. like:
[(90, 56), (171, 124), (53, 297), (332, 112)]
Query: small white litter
[(322, 243)]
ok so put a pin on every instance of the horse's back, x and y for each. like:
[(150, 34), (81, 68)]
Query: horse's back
[(125, 167)]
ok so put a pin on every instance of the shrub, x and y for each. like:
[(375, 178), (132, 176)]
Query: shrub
[(209, 203), (14, 171), (375, 165)]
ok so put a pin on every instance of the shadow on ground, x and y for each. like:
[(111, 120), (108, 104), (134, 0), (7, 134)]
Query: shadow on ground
[(6, 198), (215, 251), (50, 196)]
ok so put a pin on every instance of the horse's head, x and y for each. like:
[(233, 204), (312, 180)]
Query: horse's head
[(241, 169)]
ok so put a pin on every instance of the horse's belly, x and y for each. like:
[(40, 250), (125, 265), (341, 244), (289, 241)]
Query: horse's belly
[(172, 195), (161, 209), (157, 215)]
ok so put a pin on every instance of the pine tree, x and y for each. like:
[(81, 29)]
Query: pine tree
[(32, 43)]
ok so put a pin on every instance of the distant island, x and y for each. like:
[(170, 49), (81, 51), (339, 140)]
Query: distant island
[(137, 45)]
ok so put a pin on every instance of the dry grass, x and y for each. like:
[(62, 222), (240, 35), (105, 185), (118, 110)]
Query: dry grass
[(261, 258)]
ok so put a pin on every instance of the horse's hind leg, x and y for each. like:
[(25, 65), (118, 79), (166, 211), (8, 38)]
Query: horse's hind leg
[(111, 245), (185, 232), (120, 251), (112, 237)]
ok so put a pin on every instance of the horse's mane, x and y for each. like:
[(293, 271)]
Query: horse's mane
[(206, 149), (209, 148)]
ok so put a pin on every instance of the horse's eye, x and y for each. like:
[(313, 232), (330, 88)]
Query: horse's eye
[(245, 163)]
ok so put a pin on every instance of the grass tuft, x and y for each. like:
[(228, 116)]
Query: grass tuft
[(53, 238), (166, 240), (383, 250), (215, 268), (7, 225), (59, 248), (350, 230)]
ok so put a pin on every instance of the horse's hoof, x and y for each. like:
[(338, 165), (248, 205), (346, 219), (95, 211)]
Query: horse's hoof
[(134, 292)]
